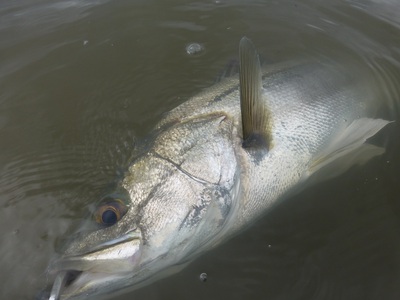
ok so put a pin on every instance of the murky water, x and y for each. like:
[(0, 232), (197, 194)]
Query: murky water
[(81, 82)]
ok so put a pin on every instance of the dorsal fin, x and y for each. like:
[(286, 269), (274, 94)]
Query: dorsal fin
[(255, 115)]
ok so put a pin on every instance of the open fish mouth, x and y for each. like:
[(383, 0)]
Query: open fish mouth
[(63, 280), (76, 275), (75, 284)]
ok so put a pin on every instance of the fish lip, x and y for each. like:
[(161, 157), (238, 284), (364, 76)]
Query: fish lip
[(129, 236), (61, 264), (70, 268)]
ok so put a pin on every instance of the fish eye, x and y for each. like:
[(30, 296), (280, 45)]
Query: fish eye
[(110, 212)]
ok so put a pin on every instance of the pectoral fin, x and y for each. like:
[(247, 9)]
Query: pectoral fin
[(256, 121), (349, 148)]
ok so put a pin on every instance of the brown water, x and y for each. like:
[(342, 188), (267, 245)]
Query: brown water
[(81, 82)]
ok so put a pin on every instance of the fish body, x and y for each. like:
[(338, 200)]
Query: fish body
[(215, 164)]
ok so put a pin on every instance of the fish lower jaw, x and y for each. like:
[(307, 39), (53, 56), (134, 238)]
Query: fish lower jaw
[(77, 284)]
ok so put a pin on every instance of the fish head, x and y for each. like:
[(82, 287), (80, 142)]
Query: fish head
[(178, 197)]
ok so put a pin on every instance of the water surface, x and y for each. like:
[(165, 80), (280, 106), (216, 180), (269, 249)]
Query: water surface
[(82, 82)]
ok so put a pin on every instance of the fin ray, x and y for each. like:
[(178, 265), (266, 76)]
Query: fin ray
[(255, 116)]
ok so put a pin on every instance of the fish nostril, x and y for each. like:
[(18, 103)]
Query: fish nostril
[(71, 276)]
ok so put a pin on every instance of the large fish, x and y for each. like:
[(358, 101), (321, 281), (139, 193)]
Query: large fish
[(215, 164)]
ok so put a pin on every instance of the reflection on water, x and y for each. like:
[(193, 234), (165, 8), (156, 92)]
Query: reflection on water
[(81, 82)]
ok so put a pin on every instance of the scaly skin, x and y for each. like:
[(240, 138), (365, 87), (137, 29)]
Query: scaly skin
[(195, 185)]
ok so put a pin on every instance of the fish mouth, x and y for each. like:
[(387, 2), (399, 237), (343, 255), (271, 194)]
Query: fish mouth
[(73, 284), (63, 280), (76, 276)]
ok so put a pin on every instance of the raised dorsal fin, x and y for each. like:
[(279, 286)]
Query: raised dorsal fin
[(255, 115)]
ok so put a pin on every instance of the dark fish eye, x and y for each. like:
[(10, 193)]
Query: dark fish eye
[(110, 212), (109, 217)]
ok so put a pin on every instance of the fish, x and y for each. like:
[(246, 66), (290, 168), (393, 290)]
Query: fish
[(215, 164)]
